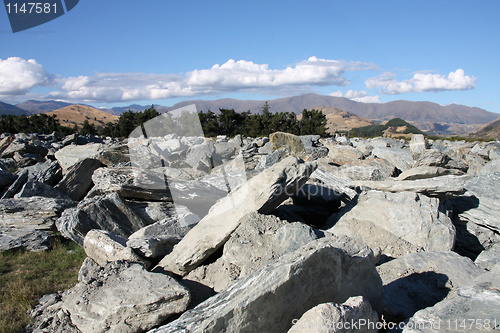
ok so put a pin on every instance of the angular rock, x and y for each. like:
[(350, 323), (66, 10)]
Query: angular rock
[(107, 212), (432, 157), (270, 299), (200, 156), (446, 187), (419, 280), (124, 297), (474, 307), (423, 172), (398, 223), (489, 257), (49, 173), (341, 154), (332, 317), (289, 141), (131, 183), (22, 178), (113, 154), (400, 158), (49, 316), (34, 212), (71, 155), (78, 179), (6, 178), (103, 247), (35, 188), (263, 193), (338, 184), (368, 169), (258, 241), (22, 149), (29, 239), (490, 167), (418, 144)]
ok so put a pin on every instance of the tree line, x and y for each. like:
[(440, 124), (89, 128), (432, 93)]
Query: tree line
[(227, 122)]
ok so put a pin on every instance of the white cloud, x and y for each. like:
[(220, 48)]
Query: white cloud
[(18, 76), (422, 82), (358, 96)]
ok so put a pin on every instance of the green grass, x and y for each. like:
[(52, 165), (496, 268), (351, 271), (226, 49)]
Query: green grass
[(26, 276)]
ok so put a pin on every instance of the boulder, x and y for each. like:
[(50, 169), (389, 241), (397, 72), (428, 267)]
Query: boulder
[(200, 156), (289, 141), (124, 297), (72, 154), (490, 167), (446, 187), (29, 239), (419, 280), (114, 154), (103, 247), (258, 241), (398, 223), (367, 169), (474, 307), (432, 157), (423, 172), (22, 178), (35, 188), (354, 315), (6, 178), (418, 144), (341, 154), (33, 212), (338, 184), (269, 299), (49, 173), (49, 316), (108, 212), (263, 193), (23, 149), (78, 179), (489, 257), (400, 158)]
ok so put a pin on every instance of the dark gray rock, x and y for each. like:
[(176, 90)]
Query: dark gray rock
[(6, 179), (108, 212), (35, 188), (22, 178), (29, 239), (78, 180)]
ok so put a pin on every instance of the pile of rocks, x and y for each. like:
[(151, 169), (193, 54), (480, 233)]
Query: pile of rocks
[(278, 234)]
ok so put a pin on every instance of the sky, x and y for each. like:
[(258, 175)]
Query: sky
[(121, 52)]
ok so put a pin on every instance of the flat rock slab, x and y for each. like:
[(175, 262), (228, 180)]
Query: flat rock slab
[(34, 212), (78, 180), (262, 193), (29, 239), (124, 297), (270, 299), (72, 154), (398, 223)]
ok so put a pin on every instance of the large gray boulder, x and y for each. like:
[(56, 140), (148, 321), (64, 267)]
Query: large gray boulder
[(32, 213), (398, 223), (354, 315), (270, 299), (489, 257), (262, 193), (446, 187), (78, 179), (419, 280), (29, 239), (124, 297), (35, 188), (400, 158), (258, 241), (474, 307), (72, 154), (107, 212)]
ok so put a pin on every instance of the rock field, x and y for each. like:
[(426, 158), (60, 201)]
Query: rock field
[(279, 234)]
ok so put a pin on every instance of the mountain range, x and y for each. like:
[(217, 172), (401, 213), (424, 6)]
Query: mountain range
[(430, 117)]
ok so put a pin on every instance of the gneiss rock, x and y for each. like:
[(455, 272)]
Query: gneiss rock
[(398, 223), (446, 187), (354, 315), (123, 297), (268, 300), (263, 193), (34, 212), (258, 241), (103, 247), (419, 280), (108, 212), (474, 307), (78, 179)]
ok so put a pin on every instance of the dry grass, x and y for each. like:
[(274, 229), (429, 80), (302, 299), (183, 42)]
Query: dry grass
[(26, 276), (77, 114)]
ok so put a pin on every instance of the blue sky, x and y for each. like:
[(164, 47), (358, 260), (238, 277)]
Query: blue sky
[(119, 52)]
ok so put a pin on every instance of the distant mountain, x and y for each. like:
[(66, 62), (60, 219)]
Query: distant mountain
[(425, 115), (36, 107), (10, 109), (488, 131), (342, 121), (77, 114), (136, 108)]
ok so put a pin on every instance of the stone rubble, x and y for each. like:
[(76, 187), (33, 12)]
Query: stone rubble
[(187, 234)]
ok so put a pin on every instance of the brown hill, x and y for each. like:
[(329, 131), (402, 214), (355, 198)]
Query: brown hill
[(77, 114), (338, 120), (488, 131)]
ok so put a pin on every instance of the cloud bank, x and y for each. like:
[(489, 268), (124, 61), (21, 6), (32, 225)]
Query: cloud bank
[(422, 82), (18, 77)]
